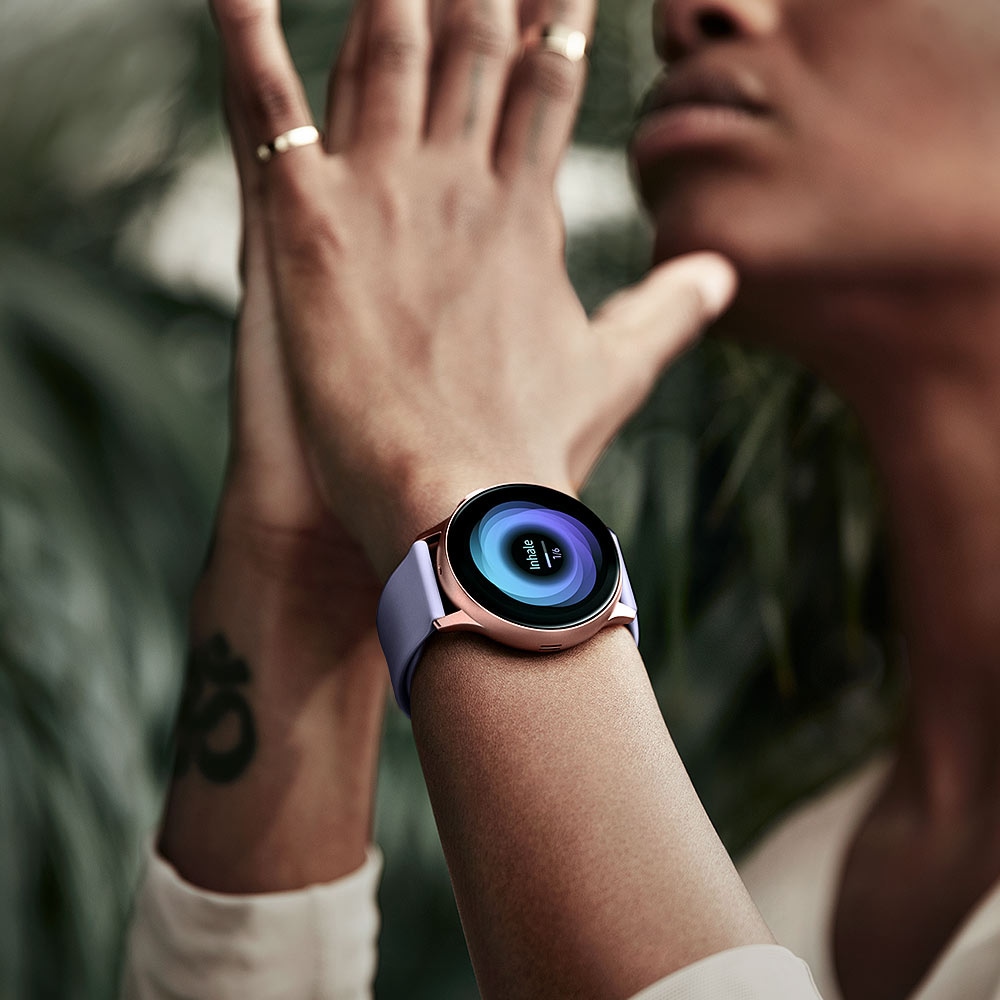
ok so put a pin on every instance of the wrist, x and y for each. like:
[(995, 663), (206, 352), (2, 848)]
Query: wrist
[(524, 564), (308, 589), (280, 724), (300, 628), (408, 513)]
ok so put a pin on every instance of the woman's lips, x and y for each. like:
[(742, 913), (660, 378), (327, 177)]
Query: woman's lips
[(697, 107)]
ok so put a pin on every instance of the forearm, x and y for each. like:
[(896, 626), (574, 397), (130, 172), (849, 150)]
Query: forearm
[(276, 794), (582, 860)]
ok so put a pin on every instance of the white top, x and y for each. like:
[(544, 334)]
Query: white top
[(321, 944), (794, 877), (316, 944)]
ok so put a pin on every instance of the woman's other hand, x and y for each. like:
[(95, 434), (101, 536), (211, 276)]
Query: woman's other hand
[(272, 521)]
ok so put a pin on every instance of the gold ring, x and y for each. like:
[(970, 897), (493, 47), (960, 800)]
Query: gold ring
[(565, 41), (304, 135)]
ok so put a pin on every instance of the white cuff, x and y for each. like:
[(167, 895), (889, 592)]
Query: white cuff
[(754, 972), (319, 943)]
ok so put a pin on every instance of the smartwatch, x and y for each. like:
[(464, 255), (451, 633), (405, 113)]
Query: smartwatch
[(526, 566)]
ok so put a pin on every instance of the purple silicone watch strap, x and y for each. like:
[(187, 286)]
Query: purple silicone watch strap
[(411, 603), (627, 598)]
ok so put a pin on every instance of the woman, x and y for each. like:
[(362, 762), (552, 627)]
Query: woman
[(409, 335), (854, 192)]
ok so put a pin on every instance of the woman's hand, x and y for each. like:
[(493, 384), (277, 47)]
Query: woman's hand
[(272, 521), (432, 339)]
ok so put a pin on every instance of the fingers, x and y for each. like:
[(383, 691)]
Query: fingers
[(396, 56), (544, 94), (243, 153), (477, 41), (646, 327), (253, 243), (638, 333), (266, 98), (344, 89), (379, 91)]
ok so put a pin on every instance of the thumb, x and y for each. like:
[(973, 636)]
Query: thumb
[(639, 331), (650, 324)]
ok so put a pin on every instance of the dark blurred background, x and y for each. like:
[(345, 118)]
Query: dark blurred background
[(741, 492)]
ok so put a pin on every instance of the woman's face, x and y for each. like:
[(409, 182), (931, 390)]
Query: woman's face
[(834, 137)]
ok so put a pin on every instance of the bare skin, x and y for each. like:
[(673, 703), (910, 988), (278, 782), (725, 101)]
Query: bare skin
[(868, 217), (582, 860), (930, 848), (833, 261), (409, 373), (295, 806), (287, 599)]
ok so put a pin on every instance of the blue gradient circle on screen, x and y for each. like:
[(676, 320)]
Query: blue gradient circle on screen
[(534, 556), (515, 523)]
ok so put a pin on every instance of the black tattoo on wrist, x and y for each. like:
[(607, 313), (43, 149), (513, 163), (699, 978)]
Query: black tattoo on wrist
[(215, 707)]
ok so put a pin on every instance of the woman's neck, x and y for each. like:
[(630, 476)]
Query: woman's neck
[(937, 448), (922, 369)]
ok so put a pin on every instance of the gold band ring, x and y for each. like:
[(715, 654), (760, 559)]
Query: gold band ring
[(565, 41), (304, 135)]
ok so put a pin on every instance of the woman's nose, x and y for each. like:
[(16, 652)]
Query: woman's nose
[(684, 26)]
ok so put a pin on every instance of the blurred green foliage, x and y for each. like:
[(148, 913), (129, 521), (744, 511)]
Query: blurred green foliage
[(741, 494)]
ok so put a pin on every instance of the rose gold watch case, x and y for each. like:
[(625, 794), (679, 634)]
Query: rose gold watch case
[(470, 616)]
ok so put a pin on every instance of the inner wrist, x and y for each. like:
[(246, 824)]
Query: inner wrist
[(298, 595), (277, 556)]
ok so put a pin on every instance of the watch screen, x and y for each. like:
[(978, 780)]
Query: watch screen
[(533, 556)]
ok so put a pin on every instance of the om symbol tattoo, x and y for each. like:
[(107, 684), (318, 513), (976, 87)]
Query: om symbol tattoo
[(214, 709)]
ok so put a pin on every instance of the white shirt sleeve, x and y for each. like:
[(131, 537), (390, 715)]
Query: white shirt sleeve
[(753, 972), (319, 943)]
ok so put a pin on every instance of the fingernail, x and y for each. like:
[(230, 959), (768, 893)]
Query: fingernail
[(717, 280)]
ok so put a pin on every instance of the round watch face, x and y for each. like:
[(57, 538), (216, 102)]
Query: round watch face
[(533, 556)]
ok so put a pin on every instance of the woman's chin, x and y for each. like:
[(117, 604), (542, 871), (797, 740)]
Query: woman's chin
[(763, 243), (675, 240), (687, 225)]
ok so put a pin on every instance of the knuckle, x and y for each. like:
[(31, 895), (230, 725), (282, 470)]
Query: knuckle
[(239, 15), (271, 103), (348, 70), (482, 36), (554, 78), (395, 51), (383, 125)]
